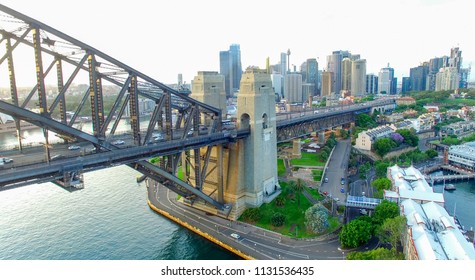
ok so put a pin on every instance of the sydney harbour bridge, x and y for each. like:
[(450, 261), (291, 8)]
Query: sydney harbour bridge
[(220, 167)]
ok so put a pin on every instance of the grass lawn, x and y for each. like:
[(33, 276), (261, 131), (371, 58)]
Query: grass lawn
[(280, 167), (308, 159), (294, 216), (317, 175), (315, 194)]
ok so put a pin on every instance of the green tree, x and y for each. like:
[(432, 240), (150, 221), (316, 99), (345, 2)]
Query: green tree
[(355, 233), (382, 146), (392, 231), (381, 168), (324, 155), (316, 218), (431, 153), (376, 254), (344, 133), (381, 184), (280, 201), (410, 137), (451, 140), (385, 210), (251, 214), (277, 219), (365, 121), (297, 187)]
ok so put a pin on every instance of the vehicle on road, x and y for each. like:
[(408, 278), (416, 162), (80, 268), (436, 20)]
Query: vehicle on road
[(342, 180), (6, 160), (74, 147), (325, 193), (326, 179), (342, 190), (57, 156), (235, 235), (118, 142)]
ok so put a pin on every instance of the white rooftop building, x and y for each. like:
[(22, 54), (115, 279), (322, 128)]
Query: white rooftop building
[(409, 183), (463, 156), (433, 234)]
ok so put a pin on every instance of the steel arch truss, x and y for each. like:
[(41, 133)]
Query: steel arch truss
[(305, 127), (74, 83)]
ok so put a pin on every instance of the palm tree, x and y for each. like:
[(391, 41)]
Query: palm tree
[(297, 187)]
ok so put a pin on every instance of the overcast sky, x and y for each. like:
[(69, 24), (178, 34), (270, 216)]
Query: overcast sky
[(164, 38)]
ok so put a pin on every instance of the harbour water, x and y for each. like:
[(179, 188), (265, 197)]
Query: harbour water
[(107, 220)]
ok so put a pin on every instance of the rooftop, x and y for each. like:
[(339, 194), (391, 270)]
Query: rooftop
[(434, 232)]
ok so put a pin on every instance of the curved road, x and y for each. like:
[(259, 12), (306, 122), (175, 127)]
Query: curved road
[(253, 241)]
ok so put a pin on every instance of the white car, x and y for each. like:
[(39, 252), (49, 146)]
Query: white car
[(118, 142), (235, 235), (6, 160), (74, 147)]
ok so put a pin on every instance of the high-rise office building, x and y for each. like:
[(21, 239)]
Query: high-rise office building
[(293, 88), (464, 74), (358, 77), (447, 79), (455, 59), (230, 67), (312, 75), (346, 74), (327, 83), (283, 63), (418, 77), (406, 84), (371, 84), (386, 81), (277, 84)]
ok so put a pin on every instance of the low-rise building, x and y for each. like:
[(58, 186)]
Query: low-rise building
[(406, 124), (462, 156), (395, 117), (409, 183), (431, 233), (458, 129), (407, 100), (366, 138)]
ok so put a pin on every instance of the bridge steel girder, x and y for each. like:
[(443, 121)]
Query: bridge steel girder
[(153, 170), (303, 128)]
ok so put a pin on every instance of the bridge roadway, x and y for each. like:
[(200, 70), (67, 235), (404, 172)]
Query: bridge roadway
[(254, 242), (39, 171), (14, 175)]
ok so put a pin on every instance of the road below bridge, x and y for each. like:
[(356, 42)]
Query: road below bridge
[(255, 242)]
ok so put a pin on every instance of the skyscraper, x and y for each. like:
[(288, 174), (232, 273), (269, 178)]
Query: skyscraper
[(418, 77), (371, 84), (283, 63), (293, 88), (455, 59), (312, 74), (386, 81), (406, 84), (327, 83), (334, 65), (346, 74), (358, 77), (230, 66), (447, 79)]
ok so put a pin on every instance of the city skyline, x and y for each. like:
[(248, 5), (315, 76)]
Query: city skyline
[(170, 42)]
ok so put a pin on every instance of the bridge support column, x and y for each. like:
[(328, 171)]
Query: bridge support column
[(256, 156), (321, 137), (208, 87)]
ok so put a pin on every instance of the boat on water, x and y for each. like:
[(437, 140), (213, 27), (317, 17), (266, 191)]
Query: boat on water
[(449, 187)]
